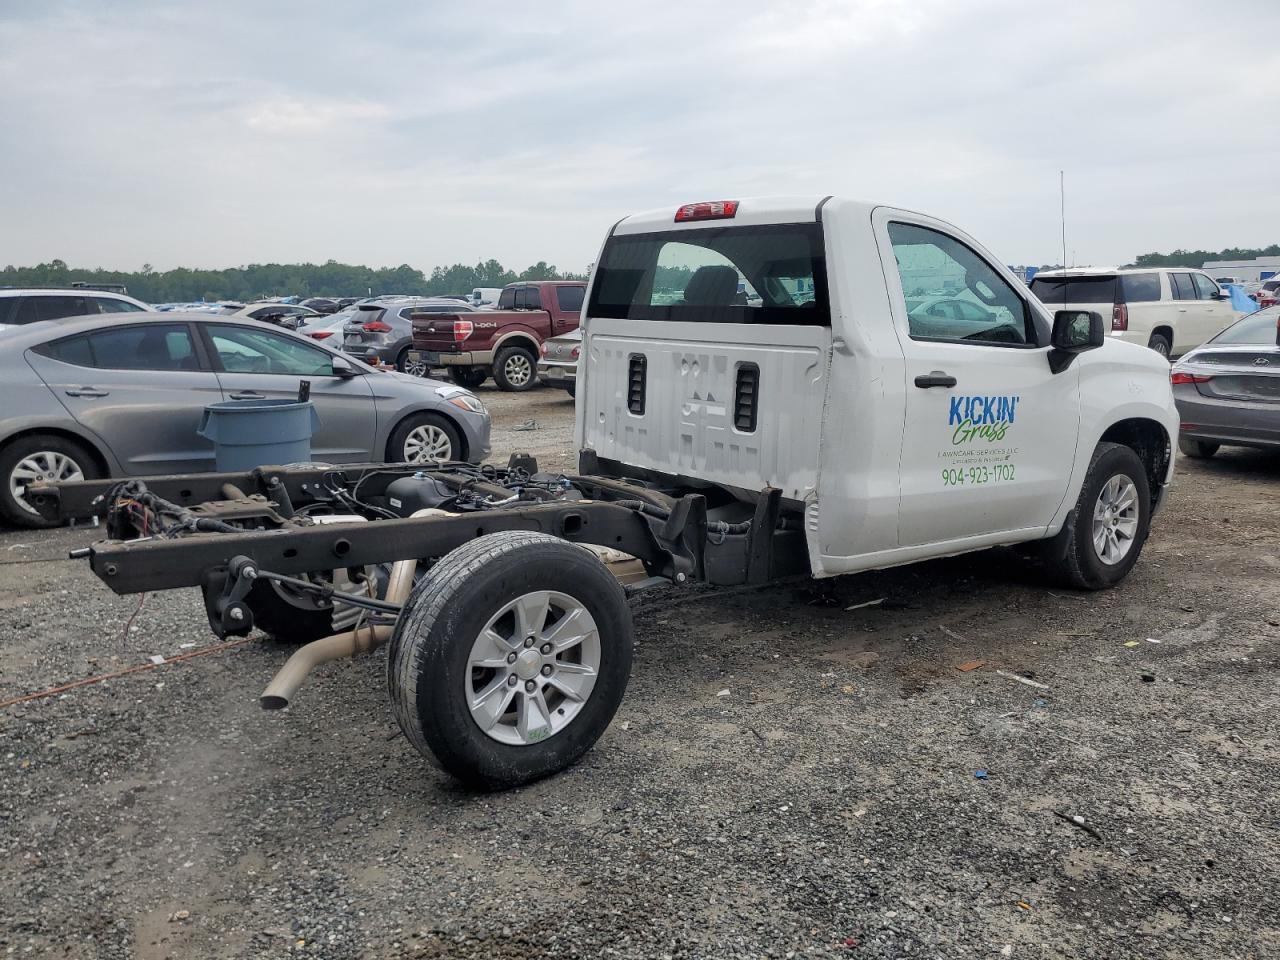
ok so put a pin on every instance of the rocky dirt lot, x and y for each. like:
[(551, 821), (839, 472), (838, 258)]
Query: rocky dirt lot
[(787, 777)]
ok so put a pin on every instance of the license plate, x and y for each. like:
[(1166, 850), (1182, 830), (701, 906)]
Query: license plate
[(430, 359)]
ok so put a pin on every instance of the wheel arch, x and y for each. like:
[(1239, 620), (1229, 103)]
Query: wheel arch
[(517, 338), (1151, 442), (100, 459), (1163, 330)]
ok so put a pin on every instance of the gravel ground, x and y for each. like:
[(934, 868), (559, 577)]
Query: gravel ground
[(786, 776)]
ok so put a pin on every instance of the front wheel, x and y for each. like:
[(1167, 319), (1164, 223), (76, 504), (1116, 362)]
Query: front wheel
[(424, 438), (1197, 449), (1103, 537), (510, 658), (515, 368)]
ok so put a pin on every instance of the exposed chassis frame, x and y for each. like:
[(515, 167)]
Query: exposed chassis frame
[(669, 535)]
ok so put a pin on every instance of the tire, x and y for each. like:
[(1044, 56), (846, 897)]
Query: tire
[(422, 438), (1160, 344), (1197, 449), (515, 369), (415, 368), (469, 377), (443, 631), (1073, 558), (572, 389), (40, 456)]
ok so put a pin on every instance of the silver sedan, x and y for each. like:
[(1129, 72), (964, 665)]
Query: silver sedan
[(1228, 390), (100, 396)]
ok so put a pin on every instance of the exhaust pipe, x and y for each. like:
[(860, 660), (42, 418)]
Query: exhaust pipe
[(361, 640)]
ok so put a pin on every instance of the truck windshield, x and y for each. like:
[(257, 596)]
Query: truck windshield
[(767, 274)]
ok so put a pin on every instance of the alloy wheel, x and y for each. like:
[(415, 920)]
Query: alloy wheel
[(1115, 519), (44, 466), (532, 668)]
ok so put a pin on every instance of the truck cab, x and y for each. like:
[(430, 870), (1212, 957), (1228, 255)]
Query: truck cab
[(903, 390)]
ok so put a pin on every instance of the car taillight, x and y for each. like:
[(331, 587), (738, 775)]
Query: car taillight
[(574, 353), (462, 329), (377, 326), (710, 210), (322, 334), (1120, 317), (1180, 377)]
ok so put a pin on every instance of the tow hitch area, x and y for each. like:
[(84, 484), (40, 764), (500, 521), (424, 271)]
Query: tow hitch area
[(502, 591)]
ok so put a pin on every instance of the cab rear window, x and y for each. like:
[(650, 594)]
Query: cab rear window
[(772, 274), (1051, 290)]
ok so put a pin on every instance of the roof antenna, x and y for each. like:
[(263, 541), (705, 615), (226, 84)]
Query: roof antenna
[(1062, 214)]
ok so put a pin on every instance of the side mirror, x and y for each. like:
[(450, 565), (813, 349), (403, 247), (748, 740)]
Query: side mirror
[(342, 368), (1222, 295), (1074, 332)]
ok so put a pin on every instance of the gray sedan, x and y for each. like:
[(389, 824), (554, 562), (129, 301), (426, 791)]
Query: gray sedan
[(1228, 390), (99, 396)]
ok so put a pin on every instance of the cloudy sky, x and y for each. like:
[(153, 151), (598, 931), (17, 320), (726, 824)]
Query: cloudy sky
[(420, 132)]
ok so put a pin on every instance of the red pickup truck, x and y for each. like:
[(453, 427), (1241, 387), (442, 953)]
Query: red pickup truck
[(504, 342)]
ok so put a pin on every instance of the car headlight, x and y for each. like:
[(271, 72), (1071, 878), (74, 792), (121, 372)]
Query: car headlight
[(467, 402)]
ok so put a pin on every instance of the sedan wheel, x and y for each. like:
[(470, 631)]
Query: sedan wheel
[(427, 443), (41, 466)]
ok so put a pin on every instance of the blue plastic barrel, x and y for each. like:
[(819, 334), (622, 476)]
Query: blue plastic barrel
[(250, 433)]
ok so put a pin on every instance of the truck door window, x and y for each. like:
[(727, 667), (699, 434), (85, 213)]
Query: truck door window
[(952, 294), (507, 299), (570, 299), (767, 274)]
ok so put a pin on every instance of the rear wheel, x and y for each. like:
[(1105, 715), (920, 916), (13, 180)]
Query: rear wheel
[(572, 389), (1197, 449), (510, 659), (40, 458), (515, 368), (415, 368), (469, 377), (1103, 538), (424, 438), (1160, 344)]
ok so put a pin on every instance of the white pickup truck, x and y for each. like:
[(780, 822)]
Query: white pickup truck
[(767, 387), (904, 390)]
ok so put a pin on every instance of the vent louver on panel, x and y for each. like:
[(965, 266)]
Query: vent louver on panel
[(746, 399), (636, 384)]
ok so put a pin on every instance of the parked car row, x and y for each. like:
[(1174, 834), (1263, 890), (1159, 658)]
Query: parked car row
[(123, 395)]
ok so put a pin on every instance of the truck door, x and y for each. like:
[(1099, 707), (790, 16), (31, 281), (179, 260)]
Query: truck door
[(990, 432), (706, 352)]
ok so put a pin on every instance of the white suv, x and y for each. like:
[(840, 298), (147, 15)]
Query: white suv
[(1169, 309), (20, 305)]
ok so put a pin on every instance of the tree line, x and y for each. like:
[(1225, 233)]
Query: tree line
[(1197, 258), (255, 281)]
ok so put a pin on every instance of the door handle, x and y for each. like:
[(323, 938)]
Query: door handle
[(86, 392), (935, 379), (248, 395)]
